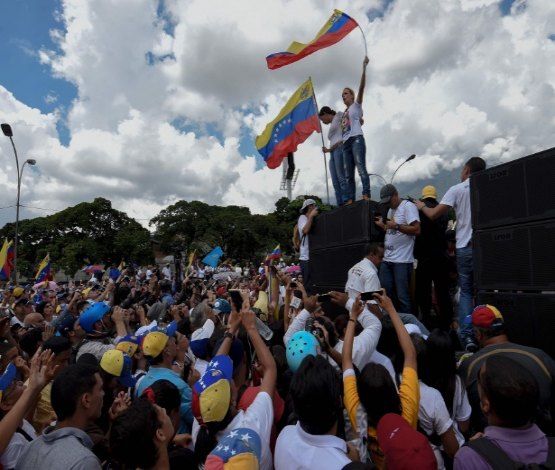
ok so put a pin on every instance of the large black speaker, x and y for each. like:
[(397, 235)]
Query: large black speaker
[(520, 257), (516, 192), (529, 318), (346, 225), (329, 266)]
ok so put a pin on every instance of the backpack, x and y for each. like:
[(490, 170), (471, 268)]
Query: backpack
[(499, 460)]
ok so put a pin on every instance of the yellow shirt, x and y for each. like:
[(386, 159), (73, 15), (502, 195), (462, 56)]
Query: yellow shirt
[(409, 394)]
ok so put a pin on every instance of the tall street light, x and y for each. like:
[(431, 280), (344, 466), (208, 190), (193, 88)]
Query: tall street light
[(379, 176), (412, 157), (7, 130)]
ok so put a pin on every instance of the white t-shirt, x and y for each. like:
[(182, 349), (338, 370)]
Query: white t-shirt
[(433, 416), (458, 197), (259, 417), (461, 409), (334, 134), (363, 277), (350, 122), (303, 252), (298, 450), (399, 246)]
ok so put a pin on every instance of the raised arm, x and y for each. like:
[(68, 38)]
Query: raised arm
[(360, 94), (347, 360), (402, 334)]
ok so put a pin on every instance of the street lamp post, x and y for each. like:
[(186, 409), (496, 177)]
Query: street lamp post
[(379, 176), (412, 157), (7, 130)]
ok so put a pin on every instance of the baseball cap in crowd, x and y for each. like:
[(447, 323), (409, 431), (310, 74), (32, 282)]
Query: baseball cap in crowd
[(66, 325), (7, 378), (220, 290), (402, 446), (386, 193), (128, 344), (118, 364), (240, 448), (93, 314), (487, 316), (200, 338), (301, 345), (154, 343), (18, 292), (325, 110), (212, 392), (221, 306), (22, 302), (306, 203), (429, 192)]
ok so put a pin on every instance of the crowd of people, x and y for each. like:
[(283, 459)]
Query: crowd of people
[(255, 372)]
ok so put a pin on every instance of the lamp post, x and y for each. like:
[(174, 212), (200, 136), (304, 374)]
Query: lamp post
[(412, 157), (379, 176), (7, 130)]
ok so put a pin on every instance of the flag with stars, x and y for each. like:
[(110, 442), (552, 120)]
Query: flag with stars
[(335, 29), (240, 448), (295, 122)]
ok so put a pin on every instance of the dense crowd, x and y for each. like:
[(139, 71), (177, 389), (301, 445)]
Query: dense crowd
[(254, 372)]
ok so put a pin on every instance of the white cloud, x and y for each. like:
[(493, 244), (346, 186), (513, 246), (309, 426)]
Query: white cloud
[(160, 117)]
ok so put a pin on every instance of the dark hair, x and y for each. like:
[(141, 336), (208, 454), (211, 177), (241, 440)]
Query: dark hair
[(57, 344), (420, 348), (316, 393), (377, 392), (132, 435), (440, 366), (68, 387), (373, 248), (166, 395), (491, 332), (29, 342), (206, 437), (511, 389), (475, 164)]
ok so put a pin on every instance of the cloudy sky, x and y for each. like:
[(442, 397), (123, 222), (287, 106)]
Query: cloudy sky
[(147, 102)]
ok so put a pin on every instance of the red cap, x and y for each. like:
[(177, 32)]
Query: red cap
[(487, 316), (404, 447)]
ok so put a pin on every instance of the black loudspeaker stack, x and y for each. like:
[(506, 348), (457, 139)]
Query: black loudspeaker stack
[(337, 241), (513, 218)]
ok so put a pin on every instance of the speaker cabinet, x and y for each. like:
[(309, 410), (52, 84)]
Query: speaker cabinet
[(516, 192), (520, 257)]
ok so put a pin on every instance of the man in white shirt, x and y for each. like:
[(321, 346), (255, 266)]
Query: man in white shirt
[(308, 212), (312, 442), (337, 165), (401, 227), (458, 197)]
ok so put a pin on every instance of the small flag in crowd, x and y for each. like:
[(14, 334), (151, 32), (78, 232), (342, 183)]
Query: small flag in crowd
[(294, 123), (212, 258), (336, 28), (44, 270), (275, 254), (7, 255)]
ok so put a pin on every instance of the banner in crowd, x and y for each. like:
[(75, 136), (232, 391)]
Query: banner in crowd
[(7, 255), (43, 270), (212, 258)]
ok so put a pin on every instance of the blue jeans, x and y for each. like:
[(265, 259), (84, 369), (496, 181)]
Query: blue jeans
[(395, 279), (465, 269), (337, 173), (354, 154)]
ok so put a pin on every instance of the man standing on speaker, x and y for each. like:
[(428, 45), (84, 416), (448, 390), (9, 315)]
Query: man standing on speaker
[(304, 225), (401, 227), (458, 197)]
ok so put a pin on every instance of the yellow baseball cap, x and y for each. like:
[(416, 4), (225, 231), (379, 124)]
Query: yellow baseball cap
[(429, 192)]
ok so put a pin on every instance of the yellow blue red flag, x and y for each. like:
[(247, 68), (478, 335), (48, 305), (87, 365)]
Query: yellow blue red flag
[(6, 259), (43, 270), (294, 123), (336, 28)]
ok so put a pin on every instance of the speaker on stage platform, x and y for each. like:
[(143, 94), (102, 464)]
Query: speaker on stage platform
[(516, 192), (517, 257)]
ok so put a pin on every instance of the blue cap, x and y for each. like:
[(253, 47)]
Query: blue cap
[(221, 306)]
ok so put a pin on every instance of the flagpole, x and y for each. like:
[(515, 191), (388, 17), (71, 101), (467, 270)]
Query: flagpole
[(363, 40), (322, 136)]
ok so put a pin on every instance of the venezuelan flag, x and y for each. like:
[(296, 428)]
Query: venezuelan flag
[(336, 28), (294, 123), (44, 270), (275, 254), (7, 255)]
